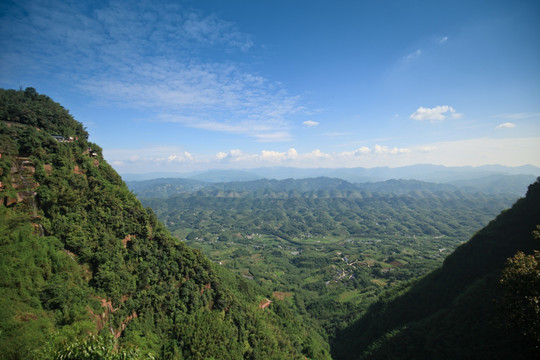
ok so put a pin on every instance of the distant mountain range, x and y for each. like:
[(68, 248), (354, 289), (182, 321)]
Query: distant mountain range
[(425, 172), (515, 185)]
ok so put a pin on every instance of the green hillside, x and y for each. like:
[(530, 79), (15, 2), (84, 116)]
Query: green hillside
[(462, 311), (81, 257)]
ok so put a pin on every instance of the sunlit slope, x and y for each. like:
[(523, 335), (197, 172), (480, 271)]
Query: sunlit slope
[(79, 254)]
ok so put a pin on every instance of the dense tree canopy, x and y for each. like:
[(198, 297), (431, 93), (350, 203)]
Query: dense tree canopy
[(521, 281), (79, 254)]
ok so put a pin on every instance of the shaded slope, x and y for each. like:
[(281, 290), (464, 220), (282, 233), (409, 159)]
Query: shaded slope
[(452, 313)]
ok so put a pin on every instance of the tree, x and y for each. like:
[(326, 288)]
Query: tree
[(521, 280), (102, 347)]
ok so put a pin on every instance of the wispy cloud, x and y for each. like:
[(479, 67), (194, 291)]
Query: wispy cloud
[(438, 113), (157, 61), (443, 39), (426, 149), (412, 56), (506, 125), (278, 136), (518, 116), (211, 30), (338, 133)]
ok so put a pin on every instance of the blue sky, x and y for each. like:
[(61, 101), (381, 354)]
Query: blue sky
[(191, 85)]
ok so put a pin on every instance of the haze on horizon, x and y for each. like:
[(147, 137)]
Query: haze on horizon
[(179, 86)]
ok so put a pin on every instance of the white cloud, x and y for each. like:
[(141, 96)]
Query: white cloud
[(313, 158), (264, 157), (221, 155), (180, 158), (272, 155), (236, 153), (364, 150), (506, 125), (310, 123), (292, 154), (378, 149), (158, 154), (472, 152), (438, 113), (316, 154), (443, 39)]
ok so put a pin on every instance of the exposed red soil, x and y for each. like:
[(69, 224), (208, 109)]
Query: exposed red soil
[(127, 239), (103, 319), (264, 304), (77, 170), (205, 287), (118, 332), (48, 169)]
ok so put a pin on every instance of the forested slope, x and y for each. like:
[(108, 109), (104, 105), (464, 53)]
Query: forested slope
[(80, 255), (459, 311)]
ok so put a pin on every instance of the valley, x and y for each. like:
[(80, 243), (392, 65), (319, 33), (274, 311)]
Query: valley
[(334, 246)]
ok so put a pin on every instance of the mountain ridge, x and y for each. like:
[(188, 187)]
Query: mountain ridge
[(425, 172)]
